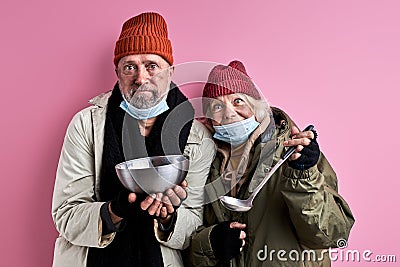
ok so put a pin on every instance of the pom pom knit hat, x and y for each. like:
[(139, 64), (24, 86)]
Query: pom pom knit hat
[(231, 79)]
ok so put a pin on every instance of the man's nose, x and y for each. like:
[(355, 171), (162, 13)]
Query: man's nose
[(142, 76)]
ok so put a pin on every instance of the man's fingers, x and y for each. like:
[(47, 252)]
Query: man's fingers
[(163, 212), (132, 197), (184, 184), (159, 197), (180, 192), (165, 200), (151, 203), (176, 195), (156, 205), (158, 211), (167, 205), (145, 204)]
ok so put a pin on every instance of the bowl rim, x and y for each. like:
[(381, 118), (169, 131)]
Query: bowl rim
[(123, 164)]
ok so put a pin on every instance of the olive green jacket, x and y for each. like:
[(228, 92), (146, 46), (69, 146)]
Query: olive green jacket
[(295, 216)]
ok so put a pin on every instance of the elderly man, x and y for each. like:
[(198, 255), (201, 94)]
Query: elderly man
[(100, 223)]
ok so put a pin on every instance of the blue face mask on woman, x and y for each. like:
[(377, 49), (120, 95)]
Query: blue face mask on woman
[(144, 114), (236, 133)]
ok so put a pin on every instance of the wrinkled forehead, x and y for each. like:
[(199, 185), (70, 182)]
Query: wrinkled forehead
[(143, 59)]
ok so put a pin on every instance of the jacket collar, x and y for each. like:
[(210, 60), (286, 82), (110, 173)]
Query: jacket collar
[(101, 100)]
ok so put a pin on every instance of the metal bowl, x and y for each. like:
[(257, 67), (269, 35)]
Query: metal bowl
[(153, 174)]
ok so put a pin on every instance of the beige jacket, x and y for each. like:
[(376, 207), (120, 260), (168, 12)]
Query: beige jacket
[(75, 210)]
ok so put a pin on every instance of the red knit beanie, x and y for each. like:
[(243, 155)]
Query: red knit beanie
[(146, 33), (231, 79)]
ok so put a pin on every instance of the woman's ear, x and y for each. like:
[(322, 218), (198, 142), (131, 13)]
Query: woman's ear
[(207, 123)]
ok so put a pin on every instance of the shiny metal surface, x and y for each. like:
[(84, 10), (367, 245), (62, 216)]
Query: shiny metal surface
[(153, 174), (243, 205)]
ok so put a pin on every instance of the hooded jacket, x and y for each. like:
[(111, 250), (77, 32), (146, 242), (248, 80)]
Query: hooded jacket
[(75, 209), (295, 217)]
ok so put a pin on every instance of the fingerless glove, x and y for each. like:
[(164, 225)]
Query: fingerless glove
[(121, 207), (309, 155), (225, 241)]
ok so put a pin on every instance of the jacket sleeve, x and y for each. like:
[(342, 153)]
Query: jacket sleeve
[(201, 151), (75, 213), (201, 253), (320, 215)]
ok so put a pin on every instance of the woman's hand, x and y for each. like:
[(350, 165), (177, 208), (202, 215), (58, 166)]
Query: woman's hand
[(307, 149), (227, 240)]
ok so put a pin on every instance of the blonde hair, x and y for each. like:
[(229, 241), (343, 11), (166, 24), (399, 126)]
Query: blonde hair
[(260, 107)]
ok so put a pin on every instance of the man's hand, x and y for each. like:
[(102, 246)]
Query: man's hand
[(163, 205), (160, 205), (123, 206)]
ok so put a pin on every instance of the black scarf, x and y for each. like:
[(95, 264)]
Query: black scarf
[(136, 244)]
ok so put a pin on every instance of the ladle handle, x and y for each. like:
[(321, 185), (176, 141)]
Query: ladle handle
[(293, 148)]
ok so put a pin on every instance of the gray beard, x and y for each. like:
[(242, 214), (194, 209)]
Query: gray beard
[(143, 102)]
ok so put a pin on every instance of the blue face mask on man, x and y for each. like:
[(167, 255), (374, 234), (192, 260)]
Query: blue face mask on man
[(144, 114), (236, 133)]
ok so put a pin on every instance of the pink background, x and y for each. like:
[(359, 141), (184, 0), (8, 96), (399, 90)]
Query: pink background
[(333, 63)]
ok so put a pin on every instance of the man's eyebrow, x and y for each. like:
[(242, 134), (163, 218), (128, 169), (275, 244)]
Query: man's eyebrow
[(129, 62), (150, 62), (144, 62)]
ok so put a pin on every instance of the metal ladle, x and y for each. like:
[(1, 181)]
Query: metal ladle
[(243, 205)]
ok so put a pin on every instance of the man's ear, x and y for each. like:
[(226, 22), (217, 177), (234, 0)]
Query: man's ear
[(171, 71)]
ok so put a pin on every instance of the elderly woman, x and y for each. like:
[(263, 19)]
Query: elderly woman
[(296, 216)]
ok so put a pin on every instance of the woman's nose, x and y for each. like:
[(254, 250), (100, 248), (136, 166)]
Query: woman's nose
[(229, 113)]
